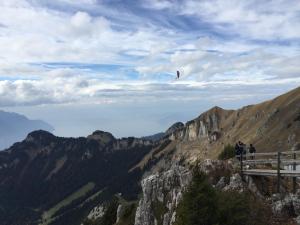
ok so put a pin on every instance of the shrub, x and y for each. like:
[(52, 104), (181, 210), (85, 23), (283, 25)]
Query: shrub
[(159, 210), (242, 208), (128, 215), (227, 153), (201, 204)]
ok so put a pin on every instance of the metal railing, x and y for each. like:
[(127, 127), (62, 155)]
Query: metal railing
[(286, 158)]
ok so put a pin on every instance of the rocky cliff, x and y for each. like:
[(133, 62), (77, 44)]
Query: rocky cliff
[(162, 192), (161, 195), (206, 127)]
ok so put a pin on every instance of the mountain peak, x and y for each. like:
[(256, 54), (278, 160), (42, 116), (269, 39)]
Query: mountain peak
[(39, 135), (174, 127), (101, 136), (215, 109)]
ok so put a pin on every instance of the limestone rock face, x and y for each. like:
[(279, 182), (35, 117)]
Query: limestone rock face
[(130, 143), (289, 204), (96, 212), (161, 195), (174, 127), (235, 184), (119, 212), (206, 126), (162, 192)]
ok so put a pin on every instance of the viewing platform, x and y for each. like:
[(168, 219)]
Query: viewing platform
[(283, 164)]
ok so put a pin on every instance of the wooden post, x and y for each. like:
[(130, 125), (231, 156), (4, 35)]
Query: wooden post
[(241, 163), (294, 178), (278, 172)]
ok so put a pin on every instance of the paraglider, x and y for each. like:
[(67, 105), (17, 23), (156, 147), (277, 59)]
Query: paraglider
[(178, 74)]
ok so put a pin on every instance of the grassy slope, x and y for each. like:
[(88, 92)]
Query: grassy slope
[(47, 216)]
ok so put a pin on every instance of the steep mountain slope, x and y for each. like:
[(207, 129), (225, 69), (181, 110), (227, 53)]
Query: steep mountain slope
[(60, 179), (271, 126), (14, 127)]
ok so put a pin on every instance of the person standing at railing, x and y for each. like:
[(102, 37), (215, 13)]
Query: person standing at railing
[(237, 151), (252, 151), (240, 149)]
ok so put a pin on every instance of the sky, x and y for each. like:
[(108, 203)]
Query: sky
[(83, 65)]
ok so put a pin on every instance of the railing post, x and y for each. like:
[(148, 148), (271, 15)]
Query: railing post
[(294, 178), (278, 172), (241, 163)]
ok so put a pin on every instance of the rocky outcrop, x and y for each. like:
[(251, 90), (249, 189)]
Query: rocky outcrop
[(102, 137), (288, 205), (40, 137), (235, 183), (96, 212), (161, 195), (173, 128), (119, 212), (163, 191), (206, 126), (106, 138), (130, 142)]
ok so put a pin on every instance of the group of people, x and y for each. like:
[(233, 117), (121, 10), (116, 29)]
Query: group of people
[(241, 148)]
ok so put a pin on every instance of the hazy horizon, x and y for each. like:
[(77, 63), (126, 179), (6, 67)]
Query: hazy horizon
[(135, 120)]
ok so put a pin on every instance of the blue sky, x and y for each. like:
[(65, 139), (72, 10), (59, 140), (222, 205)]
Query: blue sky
[(60, 58)]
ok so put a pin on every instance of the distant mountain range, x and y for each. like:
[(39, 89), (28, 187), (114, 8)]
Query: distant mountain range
[(14, 127), (53, 180)]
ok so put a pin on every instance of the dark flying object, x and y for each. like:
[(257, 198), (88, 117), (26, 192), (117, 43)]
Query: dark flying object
[(178, 74)]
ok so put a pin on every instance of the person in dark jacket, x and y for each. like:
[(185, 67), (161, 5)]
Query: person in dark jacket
[(237, 150), (241, 148), (252, 151)]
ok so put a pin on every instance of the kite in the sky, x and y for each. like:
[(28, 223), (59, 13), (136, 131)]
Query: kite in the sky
[(178, 74)]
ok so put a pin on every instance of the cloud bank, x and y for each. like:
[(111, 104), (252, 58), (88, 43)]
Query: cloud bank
[(101, 52)]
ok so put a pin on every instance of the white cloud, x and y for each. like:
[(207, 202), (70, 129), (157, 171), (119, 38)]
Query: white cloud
[(79, 2), (62, 86), (81, 19), (44, 35), (157, 4), (32, 35), (250, 19)]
